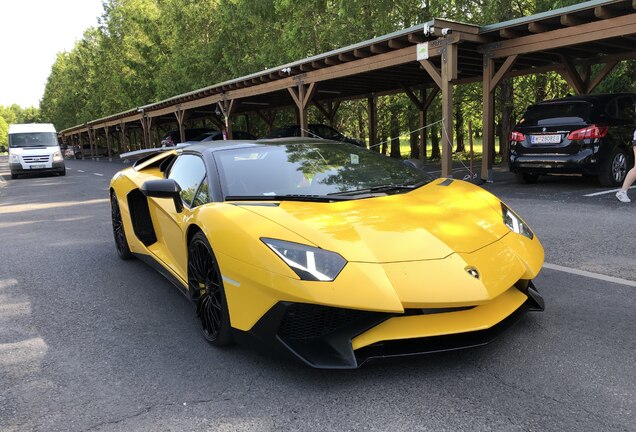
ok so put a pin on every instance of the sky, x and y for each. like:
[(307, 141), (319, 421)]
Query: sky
[(32, 32)]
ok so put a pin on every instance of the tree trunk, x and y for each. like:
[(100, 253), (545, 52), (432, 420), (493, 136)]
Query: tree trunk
[(435, 154), (459, 128), (395, 135), (361, 124), (541, 87), (414, 136), (507, 106)]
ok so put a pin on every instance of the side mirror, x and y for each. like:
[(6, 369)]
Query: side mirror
[(3, 149), (164, 188)]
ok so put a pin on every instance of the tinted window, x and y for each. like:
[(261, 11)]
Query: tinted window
[(625, 108), (557, 113), (188, 171)]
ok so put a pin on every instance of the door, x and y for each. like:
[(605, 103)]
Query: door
[(189, 172)]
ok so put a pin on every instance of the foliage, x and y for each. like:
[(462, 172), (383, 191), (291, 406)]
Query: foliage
[(143, 51), (4, 130)]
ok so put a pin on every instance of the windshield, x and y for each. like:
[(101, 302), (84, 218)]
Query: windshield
[(312, 170), (33, 139)]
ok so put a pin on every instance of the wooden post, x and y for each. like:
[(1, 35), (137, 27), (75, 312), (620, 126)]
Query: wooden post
[(449, 73), (488, 135), (107, 132), (181, 116), (91, 142), (124, 138), (489, 84), (227, 108), (373, 123), (302, 96), (472, 155)]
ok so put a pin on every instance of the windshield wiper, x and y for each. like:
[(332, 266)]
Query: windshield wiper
[(310, 198), (382, 188)]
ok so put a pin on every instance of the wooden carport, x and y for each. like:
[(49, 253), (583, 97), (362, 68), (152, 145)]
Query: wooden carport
[(420, 61)]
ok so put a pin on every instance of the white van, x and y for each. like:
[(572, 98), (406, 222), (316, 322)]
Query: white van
[(33, 148)]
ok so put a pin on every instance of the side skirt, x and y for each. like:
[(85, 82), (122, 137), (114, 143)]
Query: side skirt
[(152, 262)]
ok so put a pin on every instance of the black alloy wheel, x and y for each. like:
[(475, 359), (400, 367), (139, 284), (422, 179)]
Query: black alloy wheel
[(206, 286), (118, 230), (615, 170)]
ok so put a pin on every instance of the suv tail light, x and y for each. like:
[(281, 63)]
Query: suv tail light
[(589, 132), (517, 136)]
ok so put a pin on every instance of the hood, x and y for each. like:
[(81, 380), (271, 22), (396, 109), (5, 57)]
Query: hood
[(428, 223)]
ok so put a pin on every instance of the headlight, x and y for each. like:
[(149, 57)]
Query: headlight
[(57, 156), (15, 158), (515, 223), (309, 263)]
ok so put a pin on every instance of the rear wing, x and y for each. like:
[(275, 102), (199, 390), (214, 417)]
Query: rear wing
[(137, 155)]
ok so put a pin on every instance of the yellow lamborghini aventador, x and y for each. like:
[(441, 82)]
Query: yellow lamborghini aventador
[(325, 251)]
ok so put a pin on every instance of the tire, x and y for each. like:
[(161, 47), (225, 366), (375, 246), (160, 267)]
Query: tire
[(121, 244), (615, 170), (62, 173), (14, 176), (526, 178), (206, 286)]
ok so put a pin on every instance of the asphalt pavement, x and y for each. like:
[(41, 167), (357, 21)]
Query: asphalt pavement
[(92, 343)]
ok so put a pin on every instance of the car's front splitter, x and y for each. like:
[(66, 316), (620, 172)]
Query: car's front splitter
[(321, 336)]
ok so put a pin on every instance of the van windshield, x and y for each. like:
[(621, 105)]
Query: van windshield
[(33, 139)]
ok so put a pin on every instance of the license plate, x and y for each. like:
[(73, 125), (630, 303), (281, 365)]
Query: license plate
[(37, 166), (545, 139)]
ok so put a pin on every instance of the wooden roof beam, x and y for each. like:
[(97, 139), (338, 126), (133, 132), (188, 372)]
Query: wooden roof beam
[(604, 12), (396, 44), (345, 57), (509, 33), (565, 37), (332, 61), (360, 53), (569, 20), (537, 27), (378, 49), (416, 38)]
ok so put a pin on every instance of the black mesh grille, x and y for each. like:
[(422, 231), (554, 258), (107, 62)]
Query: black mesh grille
[(305, 321)]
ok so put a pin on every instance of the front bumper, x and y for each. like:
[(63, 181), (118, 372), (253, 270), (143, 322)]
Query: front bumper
[(17, 168), (583, 162), (334, 338)]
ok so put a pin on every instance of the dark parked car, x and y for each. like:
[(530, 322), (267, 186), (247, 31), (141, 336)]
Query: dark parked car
[(85, 151), (315, 131), (589, 135), (218, 135), (174, 137)]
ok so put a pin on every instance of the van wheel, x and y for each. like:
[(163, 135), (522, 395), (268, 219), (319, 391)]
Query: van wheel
[(615, 169), (526, 178), (14, 176)]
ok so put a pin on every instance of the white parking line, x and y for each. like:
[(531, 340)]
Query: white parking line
[(68, 169), (98, 174), (590, 275), (605, 192), (80, 171)]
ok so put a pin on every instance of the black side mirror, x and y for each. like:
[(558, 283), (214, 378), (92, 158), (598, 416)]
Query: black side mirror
[(3, 149), (165, 188)]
